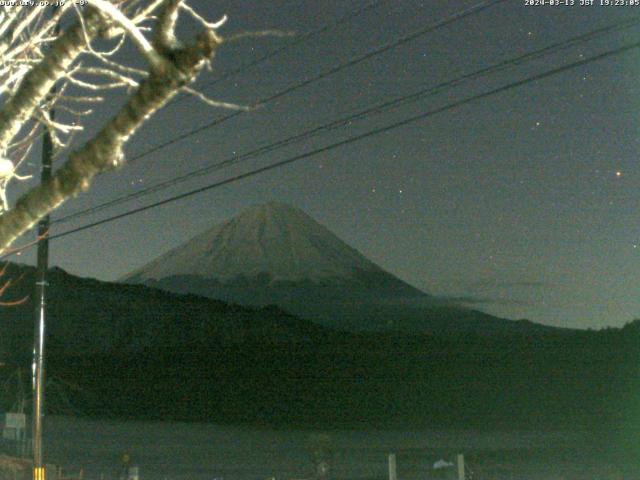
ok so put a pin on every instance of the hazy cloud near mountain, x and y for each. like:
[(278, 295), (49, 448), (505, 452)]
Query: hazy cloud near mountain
[(493, 283), (478, 300), (495, 292), (449, 300)]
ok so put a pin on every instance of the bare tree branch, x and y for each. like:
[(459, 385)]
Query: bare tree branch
[(178, 67), (40, 79), (130, 28)]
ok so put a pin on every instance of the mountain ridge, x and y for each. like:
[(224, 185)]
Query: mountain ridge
[(274, 253)]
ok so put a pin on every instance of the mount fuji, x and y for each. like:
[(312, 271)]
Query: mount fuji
[(275, 254)]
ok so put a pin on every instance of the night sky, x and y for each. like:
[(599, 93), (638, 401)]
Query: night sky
[(523, 204)]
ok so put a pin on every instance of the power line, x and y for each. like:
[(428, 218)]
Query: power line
[(379, 108), (297, 41), (356, 138), (396, 43)]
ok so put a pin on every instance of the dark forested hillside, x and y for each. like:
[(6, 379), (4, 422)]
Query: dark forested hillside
[(131, 351)]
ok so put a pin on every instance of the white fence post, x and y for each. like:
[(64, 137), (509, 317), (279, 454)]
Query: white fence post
[(392, 467), (133, 473), (461, 475)]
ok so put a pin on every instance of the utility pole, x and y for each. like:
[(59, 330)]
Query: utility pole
[(41, 297), (39, 472)]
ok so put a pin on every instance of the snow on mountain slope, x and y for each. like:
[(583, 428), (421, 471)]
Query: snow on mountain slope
[(273, 239)]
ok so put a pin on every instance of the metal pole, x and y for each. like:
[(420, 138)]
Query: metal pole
[(392, 467), (461, 473), (41, 286), (39, 472)]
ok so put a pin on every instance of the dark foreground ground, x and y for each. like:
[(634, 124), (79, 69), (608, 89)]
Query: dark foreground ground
[(198, 451)]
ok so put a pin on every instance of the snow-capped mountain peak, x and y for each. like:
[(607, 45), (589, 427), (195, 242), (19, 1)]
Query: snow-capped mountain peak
[(273, 239)]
